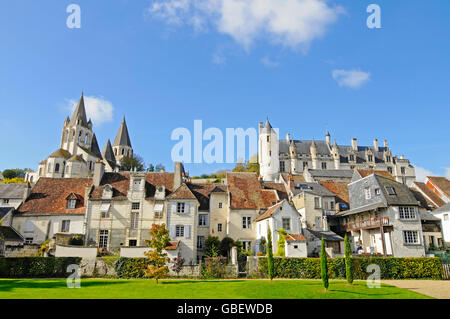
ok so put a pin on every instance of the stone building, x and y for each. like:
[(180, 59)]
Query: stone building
[(295, 156)]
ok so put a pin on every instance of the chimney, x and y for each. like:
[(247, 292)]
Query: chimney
[(178, 176), (375, 145), (26, 191), (288, 138), (385, 144), (99, 170), (354, 144)]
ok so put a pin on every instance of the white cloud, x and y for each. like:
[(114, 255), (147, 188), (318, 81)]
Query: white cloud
[(266, 61), (447, 172), (421, 173), (97, 108), (350, 78), (291, 23)]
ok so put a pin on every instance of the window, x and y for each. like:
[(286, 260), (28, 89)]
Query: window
[(103, 240), (71, 203), (388, 158), (6, 201), (219, 227), (407, 212), (179, 231), (268, 138), (220, 205), (123, 151), (200, 242), (132, 243), (247, 245), (65, 226), (445, 216), (367, 192), (391, 190), (331, 205), (410, 237), (281, 166), (137, 185), (352, 158), (135, 206), (324, 165), (305, 164), (158, 209), (246, 222), (370, 158), (57, 168), (202, 219), (134, 223), (286, 223), (377, 192), (402, 170), (180, 207), (316, 202), (104, 210), (29, 240), (389, 170)]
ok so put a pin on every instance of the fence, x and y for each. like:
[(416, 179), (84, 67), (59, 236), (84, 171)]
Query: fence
[(445, 271)]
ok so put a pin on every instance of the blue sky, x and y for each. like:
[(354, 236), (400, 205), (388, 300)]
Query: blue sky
[(164, 69)]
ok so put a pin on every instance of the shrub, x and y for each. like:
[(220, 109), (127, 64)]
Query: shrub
[(36, 267), (214, 268), (348, 261), (391, 267), (281, 242), (323, 265), (131, 267), (270, 263)]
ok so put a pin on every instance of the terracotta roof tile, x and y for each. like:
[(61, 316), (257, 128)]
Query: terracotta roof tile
[(279, 188), (340, 189), (367, 172), (441, 182), (155, 179), (268, 213), (430, 196), (182, 192), (203, 192), (49, 196), (120, 182), (295, 237), (246, 192), (173, 245)]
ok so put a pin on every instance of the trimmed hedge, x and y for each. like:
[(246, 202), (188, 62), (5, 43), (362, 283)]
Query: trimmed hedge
[(36, 267), (131, 267), (390, 267)]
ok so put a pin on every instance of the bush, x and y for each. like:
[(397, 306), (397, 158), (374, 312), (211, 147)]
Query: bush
[(391, 267), (36, 267), (214, 268), (76, 240), (131, 267)]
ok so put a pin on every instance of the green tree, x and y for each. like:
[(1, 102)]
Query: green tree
[(159, 239), (212, 246), (15, 172), (151, 168), (323, 265), (281, 242), (225, 245), (132, 162), (270, 265), (348, 261), (159, 167)]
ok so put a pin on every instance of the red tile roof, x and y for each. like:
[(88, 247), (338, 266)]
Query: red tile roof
[(155, 179), (367, 172), (120, 182), (340, 189), (268, 213), (173, 245), (49, 196), (246, 192), (431, 197), (203, 192), (182, 192), (295, 237), (278, 187), (440, 182)]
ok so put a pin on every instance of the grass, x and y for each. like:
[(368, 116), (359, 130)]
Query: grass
[(196, 289)]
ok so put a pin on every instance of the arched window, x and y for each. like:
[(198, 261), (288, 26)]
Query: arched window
[(123, 151), (67, 136), (115, 152), (86, 139), (79, 136), (57, 168)]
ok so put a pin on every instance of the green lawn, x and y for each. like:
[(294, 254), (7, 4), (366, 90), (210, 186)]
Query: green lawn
[(193, 289)]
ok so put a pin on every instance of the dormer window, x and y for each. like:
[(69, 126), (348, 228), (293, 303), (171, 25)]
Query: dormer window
[(370, 158), (352, 157), (71, 203), (107, 192), (391, 190)]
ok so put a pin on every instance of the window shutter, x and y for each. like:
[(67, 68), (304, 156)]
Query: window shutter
[(397, 213), (174, 208), (186, 208), (172, 232), (187, 231), (206, 220)]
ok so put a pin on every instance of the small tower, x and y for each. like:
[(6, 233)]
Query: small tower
[(313, 150), (336, 157), (77, 131), (108, 157), (122, 144), (328, 138), (293, 156), (269, 157)]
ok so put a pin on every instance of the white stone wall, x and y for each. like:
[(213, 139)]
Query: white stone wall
[(296, 249), (445, 225)]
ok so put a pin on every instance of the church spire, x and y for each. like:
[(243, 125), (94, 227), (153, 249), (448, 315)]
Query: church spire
[(122, 137), (108, 154), (79, 115)]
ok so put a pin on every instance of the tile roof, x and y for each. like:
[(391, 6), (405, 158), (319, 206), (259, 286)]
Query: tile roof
[(327, 235), (268, 213), (49, 196), (432, 197), (173, 245), (340, 189), (424, 202), (367, 172), (122, 137), (182, 192), (246, 192), (60, 153), (442, 183), (403, 194), (295, 237), (295, 178), (203, 192), (311, 188), (155, 179), (120, 183), (336, 173), (279, 188), (12, 191), (4, 211)]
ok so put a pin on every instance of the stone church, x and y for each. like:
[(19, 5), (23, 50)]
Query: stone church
[(79, 150), (297, 157)]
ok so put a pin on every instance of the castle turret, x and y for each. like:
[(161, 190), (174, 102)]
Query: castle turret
[(328, 138), (122, 144), (336, 157), (269, 148), (293, 156), (313, 151)]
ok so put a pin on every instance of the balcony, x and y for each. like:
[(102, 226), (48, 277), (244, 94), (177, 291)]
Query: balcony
[(367, 224)]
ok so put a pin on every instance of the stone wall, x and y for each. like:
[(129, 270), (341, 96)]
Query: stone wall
[(76, 251)]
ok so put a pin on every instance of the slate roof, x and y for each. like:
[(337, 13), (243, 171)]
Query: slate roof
[(441, 182), (95, 149), (327, 235), (267, 127), (108, 154), (8, 233), (12, 191), (4, 211), (76, 158), (79, 113), (122, 137), (435, 199), (332, 173), (246, 192), (340, 189), (424, 203), (49, 196), (426, 216), (303, 147), (403, 194), (311, 188)]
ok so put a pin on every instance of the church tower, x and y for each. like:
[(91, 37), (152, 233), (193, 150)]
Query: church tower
[(269, 152), (77, 131), (122, 144)]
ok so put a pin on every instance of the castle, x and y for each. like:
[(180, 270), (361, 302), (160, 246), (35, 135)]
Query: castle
[(298, 157), (79, 150)]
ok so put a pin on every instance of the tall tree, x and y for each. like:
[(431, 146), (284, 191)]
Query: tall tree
[(323, 265), (159, 239), (348, 261), (130, 163), (281, 242), (270, 265)]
